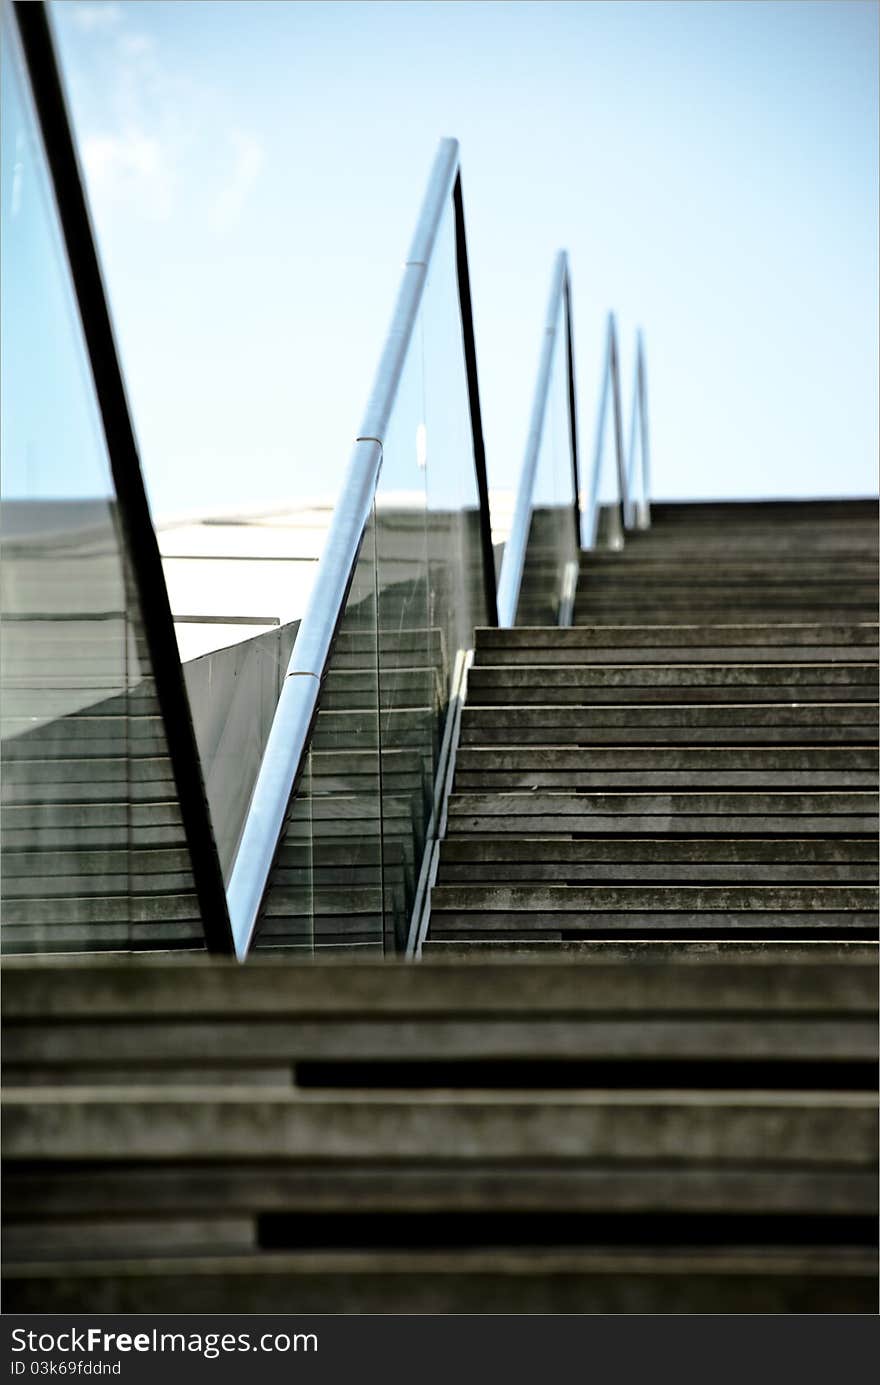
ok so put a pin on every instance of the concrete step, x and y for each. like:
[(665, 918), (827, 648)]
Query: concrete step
[(237, 1188), (451, 1051), (80, 1023), (158, 1111), (517, 929), (502, 908), (50, 989), (769, 539), (846, 511), (669, 860), (666, 644), (596, 684), (527, 767), (693, 586), (105, 1123), (664, 949), (598, 1281), (724, 724), (794, 813), (574, 899), (698, 549), (660, 551), (656, 605), (332, 1028)]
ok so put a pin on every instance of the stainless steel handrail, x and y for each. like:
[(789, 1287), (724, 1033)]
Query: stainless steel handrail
[(610, 381), (513, 562), (288, 739), (640, 512)]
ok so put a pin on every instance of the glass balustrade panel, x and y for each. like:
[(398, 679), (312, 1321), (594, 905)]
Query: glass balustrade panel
[(457, 596), (552, 545), (410, 694), (325, 888), (94, 852), (243, 441)]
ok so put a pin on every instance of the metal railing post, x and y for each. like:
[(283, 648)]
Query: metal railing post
[(640, 516), (644, 516), (618, 516), (572, 408)]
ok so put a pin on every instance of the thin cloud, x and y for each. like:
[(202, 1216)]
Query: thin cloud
[(150, 138), (130, 168), (249, 156), (98, 16), (134, 45)]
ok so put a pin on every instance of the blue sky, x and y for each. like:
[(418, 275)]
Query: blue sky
[(255, 171)]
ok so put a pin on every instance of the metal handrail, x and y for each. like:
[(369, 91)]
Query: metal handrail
[(513, 562), (288, 741), (640, 513), (610, 381)]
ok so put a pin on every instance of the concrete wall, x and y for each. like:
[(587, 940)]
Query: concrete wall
[(233, 693)]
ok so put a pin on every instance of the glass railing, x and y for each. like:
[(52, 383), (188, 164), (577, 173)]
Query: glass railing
[(539, 568), (607, 514), (310, 777), (553, 519), (638, 466), (335, 837), (98, 838)]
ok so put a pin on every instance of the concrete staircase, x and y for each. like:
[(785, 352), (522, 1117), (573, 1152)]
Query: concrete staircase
[(612, 1133), (695, 758), (636, 1069)]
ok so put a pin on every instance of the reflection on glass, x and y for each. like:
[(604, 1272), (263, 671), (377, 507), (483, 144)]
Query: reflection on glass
[(416, 597), (431, 593), (237, 588), (407, 693), (289, 920), (325, 890), (94, 854), (457, 592), (553, 539)]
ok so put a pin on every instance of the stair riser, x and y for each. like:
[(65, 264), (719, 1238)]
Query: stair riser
[(612, 653), (610, 780), (116, 1126), (652, 825), (520, 925), (505, 1284), (531, 868)]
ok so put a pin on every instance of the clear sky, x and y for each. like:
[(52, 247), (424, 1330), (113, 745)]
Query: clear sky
[(255, 170)]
